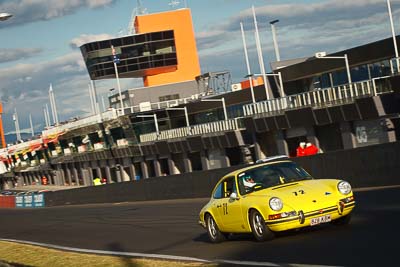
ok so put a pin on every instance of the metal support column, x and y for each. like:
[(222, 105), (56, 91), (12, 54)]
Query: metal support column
[(187, 163), (145, 171), (205, 164), (157, 167)]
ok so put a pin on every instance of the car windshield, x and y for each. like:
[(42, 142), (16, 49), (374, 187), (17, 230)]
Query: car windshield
[(270, 175)]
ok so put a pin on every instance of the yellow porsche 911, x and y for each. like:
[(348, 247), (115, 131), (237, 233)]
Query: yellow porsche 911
[(273, 197)]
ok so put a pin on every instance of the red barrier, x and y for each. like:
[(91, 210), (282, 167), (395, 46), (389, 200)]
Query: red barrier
[(7, 201)]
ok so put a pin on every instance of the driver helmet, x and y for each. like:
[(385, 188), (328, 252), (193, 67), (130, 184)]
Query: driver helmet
[(248, 181)]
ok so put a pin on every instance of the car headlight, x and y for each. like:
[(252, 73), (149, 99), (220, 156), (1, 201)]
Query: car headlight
[(344, 187), (276, 204)]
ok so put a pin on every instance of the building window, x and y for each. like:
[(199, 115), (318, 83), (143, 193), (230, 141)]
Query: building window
[(380, 69), (168, 97), (359, 73)]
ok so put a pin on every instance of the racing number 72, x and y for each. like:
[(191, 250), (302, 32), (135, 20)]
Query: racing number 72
[(298, 192)]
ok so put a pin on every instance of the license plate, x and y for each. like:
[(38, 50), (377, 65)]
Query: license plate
[(319, 220)]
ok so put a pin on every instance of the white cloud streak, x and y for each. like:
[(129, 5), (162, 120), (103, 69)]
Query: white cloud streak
[(27, 11), (87, 38), (8, 55), (304, 28)]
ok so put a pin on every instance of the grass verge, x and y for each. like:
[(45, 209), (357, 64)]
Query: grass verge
[(17, 254)]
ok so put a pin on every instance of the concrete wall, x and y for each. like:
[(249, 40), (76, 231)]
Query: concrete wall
[(367, 166)]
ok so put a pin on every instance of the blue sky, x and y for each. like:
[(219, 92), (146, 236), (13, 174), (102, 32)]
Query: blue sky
[(40, 44)]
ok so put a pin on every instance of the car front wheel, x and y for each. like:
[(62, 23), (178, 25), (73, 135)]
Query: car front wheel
[(260, 231), (213, 231)]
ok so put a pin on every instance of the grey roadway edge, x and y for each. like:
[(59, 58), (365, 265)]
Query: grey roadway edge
[(180, 258)]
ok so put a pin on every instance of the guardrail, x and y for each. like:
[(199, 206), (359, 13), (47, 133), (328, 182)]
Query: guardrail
[(205, 128)]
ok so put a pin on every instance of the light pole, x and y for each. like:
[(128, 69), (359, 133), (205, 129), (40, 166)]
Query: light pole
[(116, 61), (393, 34), (186, 114), (259, 52), (278, 57), (323, 56), (218, 100), (154, 116), (53, 105), (5, 16), (247, 63)]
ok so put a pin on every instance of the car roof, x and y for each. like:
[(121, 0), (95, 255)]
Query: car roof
[(257, 166), (273, 158)]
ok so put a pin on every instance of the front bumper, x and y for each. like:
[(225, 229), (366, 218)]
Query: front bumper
[(303, 219), (202, 223)]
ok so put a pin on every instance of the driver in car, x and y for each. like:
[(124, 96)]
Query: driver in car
[(248, 183)]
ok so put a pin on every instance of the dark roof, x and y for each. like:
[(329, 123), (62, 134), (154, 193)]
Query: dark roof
[(368, 53)]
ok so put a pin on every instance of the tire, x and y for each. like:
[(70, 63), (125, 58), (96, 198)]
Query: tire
[(343, 220), (213, 232), (258, 227)]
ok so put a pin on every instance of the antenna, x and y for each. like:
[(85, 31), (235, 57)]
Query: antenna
[(138, 10), (173, 3)]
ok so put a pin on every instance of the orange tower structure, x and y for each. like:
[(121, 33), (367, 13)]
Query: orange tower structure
[(2, 138), (180, 21)]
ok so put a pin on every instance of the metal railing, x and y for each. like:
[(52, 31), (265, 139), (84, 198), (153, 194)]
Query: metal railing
[(157, 105), (200, 129), (105, 116), (317, 98)]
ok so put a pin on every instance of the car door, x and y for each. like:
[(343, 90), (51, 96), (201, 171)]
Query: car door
[(229, 209)]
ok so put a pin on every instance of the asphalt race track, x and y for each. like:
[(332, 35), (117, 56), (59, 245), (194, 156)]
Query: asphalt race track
[(170, 228)]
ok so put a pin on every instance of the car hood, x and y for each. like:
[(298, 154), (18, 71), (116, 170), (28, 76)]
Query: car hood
[(306, 193)]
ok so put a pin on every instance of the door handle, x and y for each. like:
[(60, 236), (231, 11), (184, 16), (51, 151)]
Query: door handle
[(218, 206)]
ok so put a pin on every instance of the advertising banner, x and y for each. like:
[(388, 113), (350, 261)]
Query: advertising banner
[(19, 201), (31, 200), (38, 200), (28, 201)]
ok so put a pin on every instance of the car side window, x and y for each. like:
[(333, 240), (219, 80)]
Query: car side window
[(225, 188), (218, 191), (229, 186)]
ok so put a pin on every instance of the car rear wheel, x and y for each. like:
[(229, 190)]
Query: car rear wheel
[(260, 230), (213, 231), (343, 220)]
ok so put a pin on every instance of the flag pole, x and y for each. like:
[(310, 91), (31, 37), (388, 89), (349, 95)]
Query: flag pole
[(48, 115), (45, 117), (30, 121), (115, 61), (17, 132)]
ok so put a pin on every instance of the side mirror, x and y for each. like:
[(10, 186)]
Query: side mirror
[(233, 196)]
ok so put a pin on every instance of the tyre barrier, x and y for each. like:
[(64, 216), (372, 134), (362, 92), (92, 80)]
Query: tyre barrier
[(7, 202)]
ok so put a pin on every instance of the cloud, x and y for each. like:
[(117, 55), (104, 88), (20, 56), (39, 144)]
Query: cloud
[(27, 11), (25, 87), (8, 55), (87, 38), (303, 29), (334, 19)]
